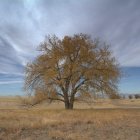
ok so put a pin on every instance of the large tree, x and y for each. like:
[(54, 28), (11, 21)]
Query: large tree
[(72, 67)]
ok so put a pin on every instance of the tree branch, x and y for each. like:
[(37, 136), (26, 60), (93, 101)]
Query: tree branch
[(76, 88), (56, 99)]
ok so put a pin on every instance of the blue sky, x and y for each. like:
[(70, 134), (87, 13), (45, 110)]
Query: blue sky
[(24, 23)]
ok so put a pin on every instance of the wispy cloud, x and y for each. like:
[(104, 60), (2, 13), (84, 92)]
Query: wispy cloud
[(10, 82), (24, 23), (8, 78)]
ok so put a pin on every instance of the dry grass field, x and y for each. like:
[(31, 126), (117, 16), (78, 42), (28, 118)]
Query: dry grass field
[(102, 120)]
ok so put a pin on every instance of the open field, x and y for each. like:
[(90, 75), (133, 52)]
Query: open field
[(102, 120)]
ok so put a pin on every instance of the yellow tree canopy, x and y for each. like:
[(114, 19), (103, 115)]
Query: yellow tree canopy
[(74, 65)]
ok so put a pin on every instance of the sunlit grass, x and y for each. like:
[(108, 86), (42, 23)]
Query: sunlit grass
[(54, 121)]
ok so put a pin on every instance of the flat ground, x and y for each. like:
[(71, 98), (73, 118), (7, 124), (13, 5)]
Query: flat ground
[(101, 120)]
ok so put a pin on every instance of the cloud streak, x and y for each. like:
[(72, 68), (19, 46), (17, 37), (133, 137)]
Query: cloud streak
[(24, 23), (10, 82)]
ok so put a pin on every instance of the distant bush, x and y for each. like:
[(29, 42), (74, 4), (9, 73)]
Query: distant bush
[(115, 96), (123, 97), (130, 97), (137, 96)]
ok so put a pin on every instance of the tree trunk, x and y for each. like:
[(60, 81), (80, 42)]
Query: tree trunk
[(68, 102), (71, 106), (68, 105), (71, 101)]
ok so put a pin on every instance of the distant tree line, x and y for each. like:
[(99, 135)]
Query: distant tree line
[(131, 96)]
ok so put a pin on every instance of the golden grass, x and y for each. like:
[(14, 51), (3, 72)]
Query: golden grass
[(16, 103), (41, 117), (104, 117)]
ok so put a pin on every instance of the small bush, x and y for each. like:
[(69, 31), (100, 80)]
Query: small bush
[(130, 97), (137, 96)]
